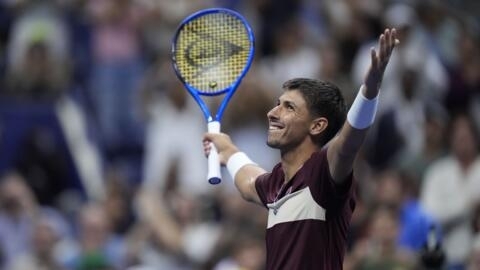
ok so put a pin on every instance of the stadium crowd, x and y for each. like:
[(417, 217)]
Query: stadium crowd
[(101, 157)]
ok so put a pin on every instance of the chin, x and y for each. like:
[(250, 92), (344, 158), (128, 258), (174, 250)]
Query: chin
[(273, 144)]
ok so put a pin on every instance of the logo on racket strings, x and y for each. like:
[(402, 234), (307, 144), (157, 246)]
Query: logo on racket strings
[(207, 51)]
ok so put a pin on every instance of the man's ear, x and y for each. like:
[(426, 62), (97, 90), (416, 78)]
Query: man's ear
[(318, 125)]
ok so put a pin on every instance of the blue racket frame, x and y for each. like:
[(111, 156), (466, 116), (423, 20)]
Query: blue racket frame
[(214, 122)]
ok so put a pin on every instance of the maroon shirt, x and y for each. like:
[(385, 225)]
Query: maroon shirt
[(308, 217)]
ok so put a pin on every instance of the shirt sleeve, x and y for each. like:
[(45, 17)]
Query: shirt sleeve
[(265, 185), (325, 191), (261, 187)]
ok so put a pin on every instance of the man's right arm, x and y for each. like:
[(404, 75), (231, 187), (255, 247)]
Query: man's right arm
[(244, 171), (245, 182)]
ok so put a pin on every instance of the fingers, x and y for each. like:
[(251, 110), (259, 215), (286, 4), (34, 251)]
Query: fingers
[(394, 37), (390, 40), (209, 138), (380, 58), (383, 50), (374, 57), (387, 42), (220, 140), (206, 147)]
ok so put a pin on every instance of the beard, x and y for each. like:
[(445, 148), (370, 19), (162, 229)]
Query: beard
[(273, 145), (283, 146), (274, 142)]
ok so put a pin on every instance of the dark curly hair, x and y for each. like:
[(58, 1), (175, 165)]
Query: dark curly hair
[(324, 99)]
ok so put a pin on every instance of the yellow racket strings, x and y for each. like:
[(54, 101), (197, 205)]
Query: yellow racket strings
[(211, 51)]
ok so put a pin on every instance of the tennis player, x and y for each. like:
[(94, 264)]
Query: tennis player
[(310, 193)]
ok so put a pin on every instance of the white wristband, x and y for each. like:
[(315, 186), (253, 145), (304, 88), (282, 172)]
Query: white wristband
[(236, 162), (362, 113)]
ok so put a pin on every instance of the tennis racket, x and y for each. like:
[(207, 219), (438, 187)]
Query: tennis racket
[(212, 51)]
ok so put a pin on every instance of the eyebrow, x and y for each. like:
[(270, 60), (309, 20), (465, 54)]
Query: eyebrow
[(287, 102)]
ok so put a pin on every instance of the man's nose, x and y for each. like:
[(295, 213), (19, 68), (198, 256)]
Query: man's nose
[(273, 112)]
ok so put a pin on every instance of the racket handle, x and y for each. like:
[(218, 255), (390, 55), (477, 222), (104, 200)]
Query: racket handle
[(214, 175)]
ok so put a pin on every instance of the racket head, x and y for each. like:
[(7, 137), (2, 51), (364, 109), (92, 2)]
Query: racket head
[(212, 50)]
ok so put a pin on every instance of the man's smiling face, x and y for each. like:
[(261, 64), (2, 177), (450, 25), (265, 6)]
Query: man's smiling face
[(289, 121)]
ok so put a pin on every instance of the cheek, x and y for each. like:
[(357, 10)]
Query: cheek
[(298, 130), (300, 125)]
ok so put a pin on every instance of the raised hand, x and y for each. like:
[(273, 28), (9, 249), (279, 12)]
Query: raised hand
[(386, 42), (223, 143)]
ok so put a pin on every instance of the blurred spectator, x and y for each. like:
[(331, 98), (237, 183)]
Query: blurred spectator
[(7, 15), (173, 121), (473, 262), (403, 123), (400, 192), (42, 159), (247, 253), (443, 29), (331, 69), (293, 57), (163, 18), (351, 24), (379, 249), (409, 113), (98, 247), (464, 87), (413, 53), (33, 79), (38, 54), (272, 18), (241, 243), (432, 255), (44, 254), (179, 238), (117, 66), (434, 143), (474, 256), (118, 203), (36, 109), (18, 213), (451, 188)]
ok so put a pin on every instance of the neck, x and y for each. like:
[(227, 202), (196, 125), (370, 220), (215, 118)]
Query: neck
[(466, 163), (293, 160)]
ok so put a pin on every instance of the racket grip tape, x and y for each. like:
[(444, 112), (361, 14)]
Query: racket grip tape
[(214, 174)]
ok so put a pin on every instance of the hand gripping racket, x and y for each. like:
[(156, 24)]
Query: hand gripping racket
[(212, 51)]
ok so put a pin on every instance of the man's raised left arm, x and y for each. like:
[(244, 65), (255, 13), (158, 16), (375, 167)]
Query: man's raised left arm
[(344, 147)]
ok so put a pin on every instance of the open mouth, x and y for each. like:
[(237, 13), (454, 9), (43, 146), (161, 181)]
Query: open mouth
[(275, 126)]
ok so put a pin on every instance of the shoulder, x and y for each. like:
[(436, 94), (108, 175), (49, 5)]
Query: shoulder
[(324, 189), (266, 184), (319, 158), (476, 166), (440, 166), (444, 162), (25, 261), (269, 177), (415, 212), (317, 165)]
